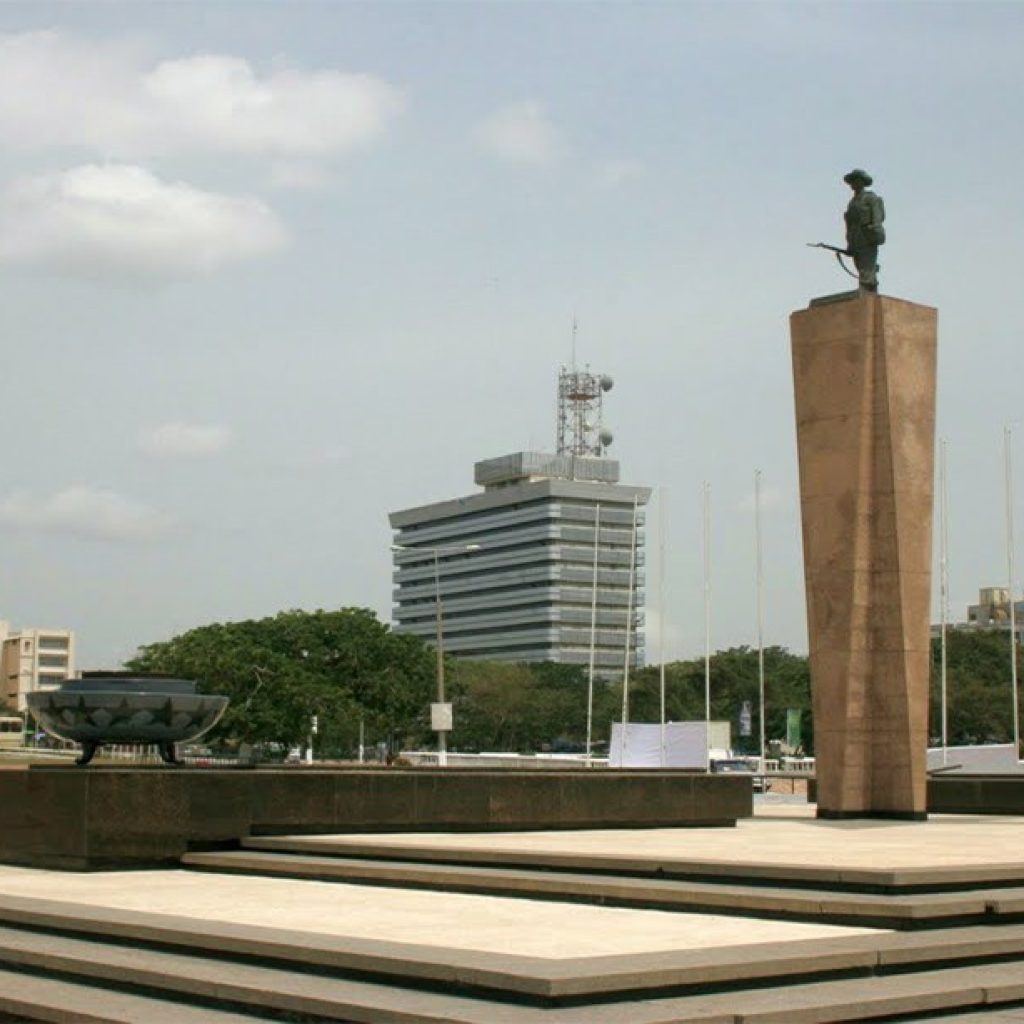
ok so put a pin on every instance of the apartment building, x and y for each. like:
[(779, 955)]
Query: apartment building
[(33, 659)]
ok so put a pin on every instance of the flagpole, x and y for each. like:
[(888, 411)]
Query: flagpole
[(1007, 445), (661, 609), (707, 625), (943, 597), (629, 628), (593, 634), (760, 608)]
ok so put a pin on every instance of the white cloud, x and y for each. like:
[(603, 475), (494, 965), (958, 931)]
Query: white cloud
[(299, 174), (521, 133), (80, 511), (56, 91), (220, 103), (60, 90), (96, 220), (612, 173), (186, 439)]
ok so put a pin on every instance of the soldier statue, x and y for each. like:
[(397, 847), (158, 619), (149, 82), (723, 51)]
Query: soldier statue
[(865, 230)]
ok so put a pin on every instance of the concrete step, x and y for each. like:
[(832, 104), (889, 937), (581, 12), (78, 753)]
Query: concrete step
[(540, 979), (109, 968), (268, 991), (880, 910), (798, 872), (477, 974), (33, 998), (853, 1000)]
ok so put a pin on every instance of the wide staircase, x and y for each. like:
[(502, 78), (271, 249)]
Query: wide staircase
[(942, 943)]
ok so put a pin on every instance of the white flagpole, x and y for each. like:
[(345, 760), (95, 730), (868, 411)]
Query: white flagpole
[(593, 635), (1007, 441), (943, 597), (629, 630), (707, 625), (661, 610), (760, 608)]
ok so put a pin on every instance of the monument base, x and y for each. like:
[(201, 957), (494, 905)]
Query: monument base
[(828, 815), (89, 818), (864, 379)]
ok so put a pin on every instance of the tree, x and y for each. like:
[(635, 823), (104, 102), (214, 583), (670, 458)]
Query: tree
[(979, 697), (341, 666), (733, 682), (529, 707), (517, 707)]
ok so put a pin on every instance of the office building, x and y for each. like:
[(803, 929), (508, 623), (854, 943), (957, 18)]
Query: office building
[(511, 568)]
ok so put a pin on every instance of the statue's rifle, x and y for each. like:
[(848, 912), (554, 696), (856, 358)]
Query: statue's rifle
[(840, 253)]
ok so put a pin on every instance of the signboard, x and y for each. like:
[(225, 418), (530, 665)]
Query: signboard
[(794, 735), (441, 717), (745, 718)]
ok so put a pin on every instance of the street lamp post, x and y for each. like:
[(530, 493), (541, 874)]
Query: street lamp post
[(441, 721), (442, 735)]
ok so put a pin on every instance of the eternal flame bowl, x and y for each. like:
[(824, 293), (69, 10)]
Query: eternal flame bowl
[(118, 708)]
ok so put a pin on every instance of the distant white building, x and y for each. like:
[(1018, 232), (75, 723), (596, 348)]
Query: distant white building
[(33, 659), (991, 612), (993, 609)]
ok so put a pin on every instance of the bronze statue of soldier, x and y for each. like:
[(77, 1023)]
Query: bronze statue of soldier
[(865, 231), (865, 228)]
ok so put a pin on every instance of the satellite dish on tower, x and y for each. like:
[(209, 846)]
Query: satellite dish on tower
[(581, 433)]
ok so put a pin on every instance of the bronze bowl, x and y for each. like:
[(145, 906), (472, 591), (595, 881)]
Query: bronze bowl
[(122, 708)]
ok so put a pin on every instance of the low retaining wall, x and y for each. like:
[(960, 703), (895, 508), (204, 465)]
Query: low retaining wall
[(960, 793), (976, 794), (83, 818)]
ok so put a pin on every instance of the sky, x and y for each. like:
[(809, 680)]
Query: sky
[(271, 270)]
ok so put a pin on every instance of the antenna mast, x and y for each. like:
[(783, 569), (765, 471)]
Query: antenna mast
[(581, 430)]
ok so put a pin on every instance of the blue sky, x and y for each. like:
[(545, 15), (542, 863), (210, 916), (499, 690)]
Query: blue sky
[(272, 270)]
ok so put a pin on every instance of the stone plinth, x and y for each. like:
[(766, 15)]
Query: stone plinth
[(864, 376), (84, 818)]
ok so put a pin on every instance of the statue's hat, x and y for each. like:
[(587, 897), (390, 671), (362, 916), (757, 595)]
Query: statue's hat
[(857, 175)]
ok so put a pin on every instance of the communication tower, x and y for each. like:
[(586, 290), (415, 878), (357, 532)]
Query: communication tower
[(581, 431)]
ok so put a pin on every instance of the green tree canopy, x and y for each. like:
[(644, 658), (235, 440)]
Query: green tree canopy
[(734, 680), (979, 697), (341, 666), (530, 707), (518, 707)]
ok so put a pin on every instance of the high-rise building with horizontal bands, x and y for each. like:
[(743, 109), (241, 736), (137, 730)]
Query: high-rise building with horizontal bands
[(545, 563)]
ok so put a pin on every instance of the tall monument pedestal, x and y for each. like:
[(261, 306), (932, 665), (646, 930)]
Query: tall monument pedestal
[(864, 376)]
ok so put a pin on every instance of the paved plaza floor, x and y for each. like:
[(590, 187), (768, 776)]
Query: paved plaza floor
[(779, 836)]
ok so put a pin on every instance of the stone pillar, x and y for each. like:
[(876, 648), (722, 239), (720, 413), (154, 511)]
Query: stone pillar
[(864, 376)]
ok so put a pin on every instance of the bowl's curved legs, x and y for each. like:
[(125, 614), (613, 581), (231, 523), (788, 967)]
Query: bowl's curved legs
[(89, 748)]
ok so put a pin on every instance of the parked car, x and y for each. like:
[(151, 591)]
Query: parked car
[(739, 766)]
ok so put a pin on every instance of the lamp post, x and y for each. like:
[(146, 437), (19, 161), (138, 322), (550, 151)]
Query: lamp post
[(440, 713)]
